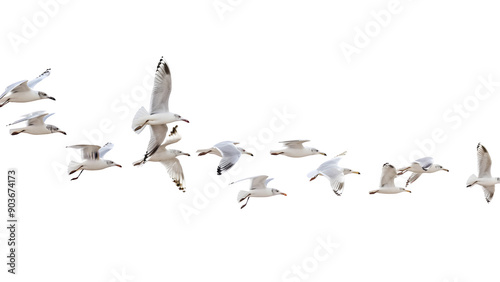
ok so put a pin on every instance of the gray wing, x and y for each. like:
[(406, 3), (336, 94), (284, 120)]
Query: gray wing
[(425, 163), (336, 178), (11, 87), (29, 116), (388, 175), (230, 155), (329, 165), (483, 161), (158, 133), (297, 144), (104, 149), (162, 88), (89, 152), (39, 78), (172, 138), (488, 192), (413, 177), (259, 182), (268, 180), (175, 172)]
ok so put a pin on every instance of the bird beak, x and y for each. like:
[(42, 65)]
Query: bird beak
[(357, 172), (407, 191), (249, 154), (321, 153), (60, 131), (118, 165), (51, 98), (185, 120), (283, 194), (447, 170), (186, 154)]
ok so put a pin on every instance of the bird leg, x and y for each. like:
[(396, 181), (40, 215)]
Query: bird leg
[(248, 198), (373, 192), (5, 103), (17, 132), (78, 175), (314, 177), (403, 171), (275, 154), (203, 153)]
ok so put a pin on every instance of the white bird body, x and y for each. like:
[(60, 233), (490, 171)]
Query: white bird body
[(333, 172), (258, 188), (168, 157), (484, 177), (296, 149), (387, 185), (23, 92), (228, 151), (36, 125), (159, 115), (92, 159), (420, 166)]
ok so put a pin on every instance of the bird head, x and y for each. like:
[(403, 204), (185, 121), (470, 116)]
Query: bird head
[(54, 129), (277, 192), (179, 118), (317, 152), (112, 163), (44, 95)]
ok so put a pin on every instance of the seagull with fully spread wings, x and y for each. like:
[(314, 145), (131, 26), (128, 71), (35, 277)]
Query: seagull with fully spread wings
[(258, 188), (22, 91), (159, 116), (387, 185), (296, 149), (333, 172), (92, 159), (35, 124), (228, 151), (168, 158), (423, 165), (484, 177)]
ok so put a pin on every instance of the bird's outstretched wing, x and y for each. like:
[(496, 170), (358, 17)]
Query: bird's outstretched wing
[(162, 88), (388, 175), (104, 149), (296, 144), (89, 152), (483, 161), (32, 83)]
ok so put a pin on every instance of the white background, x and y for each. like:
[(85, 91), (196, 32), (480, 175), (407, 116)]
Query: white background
[(231, 71)]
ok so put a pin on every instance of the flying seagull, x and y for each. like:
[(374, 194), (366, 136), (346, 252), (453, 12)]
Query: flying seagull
[(423, 165), (91, 155), (387, 185), (296, 149), (22, 91), (484, 176), (258, 188), (168, 158), (159, 116), (35, 124), (228, 151), (333, 172)]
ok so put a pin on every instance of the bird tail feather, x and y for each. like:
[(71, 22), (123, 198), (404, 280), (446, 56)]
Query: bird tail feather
[(471, 181), (73, 166), (313, 173), (242, 195), (139, 120)]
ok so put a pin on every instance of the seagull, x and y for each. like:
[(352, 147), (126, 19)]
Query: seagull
[(296, 149), (333, 172), (387, 185), (484, 177), (168, 158), (159, 115), (228, 151), (423, 165), (22, 91), (36, 124), (258, 188), (91, 155)]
